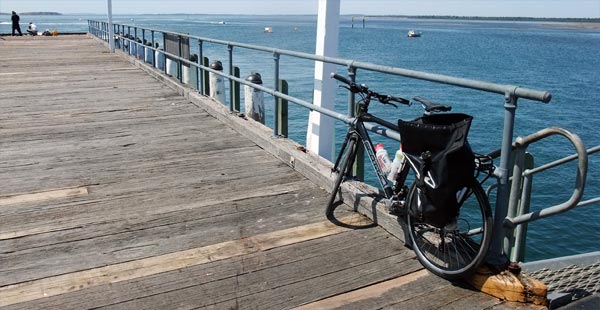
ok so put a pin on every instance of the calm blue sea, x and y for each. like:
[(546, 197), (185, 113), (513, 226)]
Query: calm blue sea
[(544, 56)]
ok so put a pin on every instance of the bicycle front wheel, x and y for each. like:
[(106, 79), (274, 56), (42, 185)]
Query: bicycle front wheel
[(345, 164), (457, 249)]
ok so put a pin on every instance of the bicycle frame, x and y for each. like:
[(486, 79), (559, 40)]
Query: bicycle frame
[(358, 128)]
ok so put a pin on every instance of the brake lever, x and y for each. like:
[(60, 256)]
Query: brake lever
[(386, 100)]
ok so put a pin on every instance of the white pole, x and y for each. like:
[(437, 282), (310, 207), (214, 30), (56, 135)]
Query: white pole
[(111, 34), (320, 136)]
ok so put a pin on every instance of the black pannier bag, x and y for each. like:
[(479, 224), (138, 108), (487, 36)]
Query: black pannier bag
[(437, 148)]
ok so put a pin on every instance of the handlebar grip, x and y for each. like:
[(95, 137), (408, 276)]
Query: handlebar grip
[(341, 78), (400, 100)]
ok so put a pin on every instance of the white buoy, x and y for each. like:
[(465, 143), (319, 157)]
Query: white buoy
[(217, 84), (254, 99)]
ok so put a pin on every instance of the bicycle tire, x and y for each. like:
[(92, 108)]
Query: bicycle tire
[(343, 168), (454, 251)]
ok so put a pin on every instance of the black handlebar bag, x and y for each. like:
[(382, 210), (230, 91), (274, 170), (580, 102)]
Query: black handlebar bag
[(437, 148)]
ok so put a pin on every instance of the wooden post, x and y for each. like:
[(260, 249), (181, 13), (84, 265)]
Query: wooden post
[(510, 286), (282, 114), (254, 99), (190, 74), (217, 83)]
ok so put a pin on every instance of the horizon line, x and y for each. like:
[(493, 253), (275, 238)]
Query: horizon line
[(315, 14)]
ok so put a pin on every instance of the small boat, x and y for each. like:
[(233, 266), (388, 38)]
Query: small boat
[(268, 30), (413, 34)]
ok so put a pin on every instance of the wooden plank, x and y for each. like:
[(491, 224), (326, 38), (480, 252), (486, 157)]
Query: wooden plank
[(89, 219), (144, 267), (374, 291), (138, 236), (7, 200), (288, 276), (218, 282)]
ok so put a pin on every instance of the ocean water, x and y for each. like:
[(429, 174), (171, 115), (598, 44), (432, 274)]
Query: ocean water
[(543, 56)]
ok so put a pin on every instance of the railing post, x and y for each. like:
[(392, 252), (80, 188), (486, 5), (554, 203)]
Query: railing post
[(179, 62), (282, 108), (135, 41), (235, 94), (152, 37), (129, 40), (515, 194), (230, 54), (144, 44), (200, 71), (358, 169), (518, 249), (206, 76), (496, 256), (276, 57)]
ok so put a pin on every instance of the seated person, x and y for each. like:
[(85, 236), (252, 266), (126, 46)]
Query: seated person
[(32, 29), (47, 32)]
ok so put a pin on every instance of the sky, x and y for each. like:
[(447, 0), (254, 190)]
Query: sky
[(512, 8)]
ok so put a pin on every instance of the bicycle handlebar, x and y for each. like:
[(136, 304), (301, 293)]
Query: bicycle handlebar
[(341, 78), (355, 88)]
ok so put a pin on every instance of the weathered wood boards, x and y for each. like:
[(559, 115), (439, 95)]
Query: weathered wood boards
[(118, 193)]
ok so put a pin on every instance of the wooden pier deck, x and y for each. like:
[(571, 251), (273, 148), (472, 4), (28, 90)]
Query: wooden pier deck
[(117, 192)]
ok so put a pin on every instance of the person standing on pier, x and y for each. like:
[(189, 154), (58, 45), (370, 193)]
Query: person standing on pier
[(15, 23)]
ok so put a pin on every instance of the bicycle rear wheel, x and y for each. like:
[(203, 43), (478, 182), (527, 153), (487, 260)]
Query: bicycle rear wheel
[(344, 164), (457, 249)]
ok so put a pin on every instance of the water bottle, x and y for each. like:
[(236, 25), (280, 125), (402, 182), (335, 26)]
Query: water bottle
[(397, 165), (383, 158)]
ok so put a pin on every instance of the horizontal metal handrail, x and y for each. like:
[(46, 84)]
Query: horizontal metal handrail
[(560, 161), (521, 92), (582, 164)]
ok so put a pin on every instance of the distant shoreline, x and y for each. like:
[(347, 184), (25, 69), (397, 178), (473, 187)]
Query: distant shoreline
[(592, 26), (35, 13), (587, 23)]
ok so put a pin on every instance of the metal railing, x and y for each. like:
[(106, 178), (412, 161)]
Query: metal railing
[(510, 95), (519, 214)]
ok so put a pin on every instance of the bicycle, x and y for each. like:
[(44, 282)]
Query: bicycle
[(450, 243)]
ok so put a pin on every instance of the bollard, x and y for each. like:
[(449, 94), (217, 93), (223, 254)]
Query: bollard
[(149, 55), (139, 49), (253, 99), (160, 58), (172, 66), (131, 45), (217, 84), (190, 74)]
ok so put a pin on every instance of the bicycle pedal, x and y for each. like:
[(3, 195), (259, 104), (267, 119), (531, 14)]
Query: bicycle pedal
[(397, 208)]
